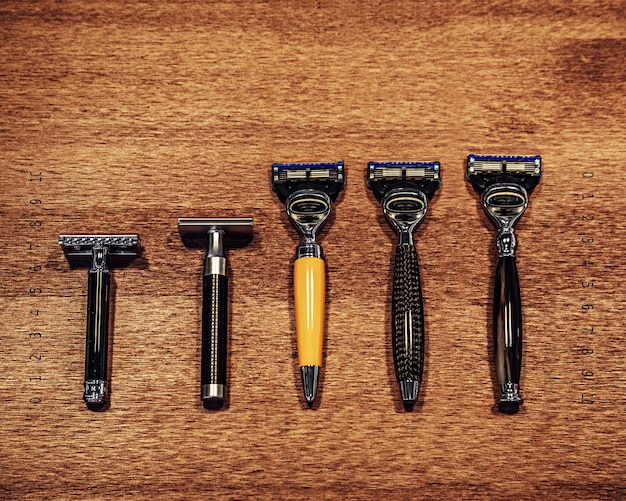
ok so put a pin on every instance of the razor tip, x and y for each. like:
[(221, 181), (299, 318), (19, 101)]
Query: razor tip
[(409, 391), (310, 378), (508, 407), (213, 396), (214, 404), (510, 400), (96, 393)]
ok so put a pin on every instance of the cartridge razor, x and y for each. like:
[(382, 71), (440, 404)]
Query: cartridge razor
[(99, 253), (505, 183), (404, 189), (215, 234), (308, 191)]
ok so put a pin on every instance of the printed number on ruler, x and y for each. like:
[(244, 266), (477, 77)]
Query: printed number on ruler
[(35, 335), (587, 351)]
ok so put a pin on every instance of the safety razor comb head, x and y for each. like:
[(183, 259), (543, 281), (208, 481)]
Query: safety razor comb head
[(78, 249), (328, 177), (385, 176), (486, 170)]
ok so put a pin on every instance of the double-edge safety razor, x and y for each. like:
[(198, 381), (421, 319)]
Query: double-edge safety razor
[(504, 183), (404, 189), (214, 234), (308, 191), (99, 252)]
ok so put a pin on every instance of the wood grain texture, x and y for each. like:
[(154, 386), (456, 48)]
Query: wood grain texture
[(138, 113)]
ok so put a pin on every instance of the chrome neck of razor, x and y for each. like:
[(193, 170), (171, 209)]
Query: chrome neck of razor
[(99, 255), (308, 211), (309, 250), (405, 209), (505, 204)]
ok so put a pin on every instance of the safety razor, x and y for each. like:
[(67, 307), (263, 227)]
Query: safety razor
[(99, 253), (505, 183), (215, 234), (404, 189), (308, 191)]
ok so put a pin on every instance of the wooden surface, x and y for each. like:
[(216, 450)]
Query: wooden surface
[(121, 117)]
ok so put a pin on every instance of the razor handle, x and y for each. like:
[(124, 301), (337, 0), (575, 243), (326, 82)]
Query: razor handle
[(507, 331), (309, 282), (407, 329), (97, 346), (214, 339)]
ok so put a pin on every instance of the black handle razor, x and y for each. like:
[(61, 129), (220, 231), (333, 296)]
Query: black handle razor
[(504, 182), (96, 355), (214, 340), (505, 204), (404, 189), (214, 234), (98, 252), (407, 322), (507, 331)]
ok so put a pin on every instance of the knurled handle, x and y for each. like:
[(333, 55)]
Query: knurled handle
[(408, 316), (214, 329)]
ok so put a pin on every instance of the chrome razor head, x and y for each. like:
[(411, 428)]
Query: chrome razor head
[(404, 209), (81, 245), (404, 189), (195, 231), (328, 177), (504, 182), (308, 211), (78, 249), (505, 203), (308, 191), (385, 176), (486, 170)]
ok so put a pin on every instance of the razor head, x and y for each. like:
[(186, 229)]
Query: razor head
[(404, 206), (78, 249), (328, 177), (308, 207), (308, 211), (383, 177), (194, 231), (486, 170)]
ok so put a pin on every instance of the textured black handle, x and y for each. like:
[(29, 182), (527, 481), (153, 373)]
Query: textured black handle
[(214, 328), (98, 293), (408, 317), (507, 322)]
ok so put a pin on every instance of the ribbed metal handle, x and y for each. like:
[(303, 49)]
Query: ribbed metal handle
[(97, 346), (507, 329), (214, 337), (407, 322)]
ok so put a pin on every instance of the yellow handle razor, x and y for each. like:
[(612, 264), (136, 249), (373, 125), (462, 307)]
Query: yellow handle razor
[(307, 190), (309, 283)]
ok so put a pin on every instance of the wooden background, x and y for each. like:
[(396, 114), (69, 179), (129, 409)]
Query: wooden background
[(121, 116)]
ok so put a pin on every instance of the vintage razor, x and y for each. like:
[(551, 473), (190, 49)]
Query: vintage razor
[(99, 252), (308, 191), (215, 234), (404, 189), (505, 183)]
